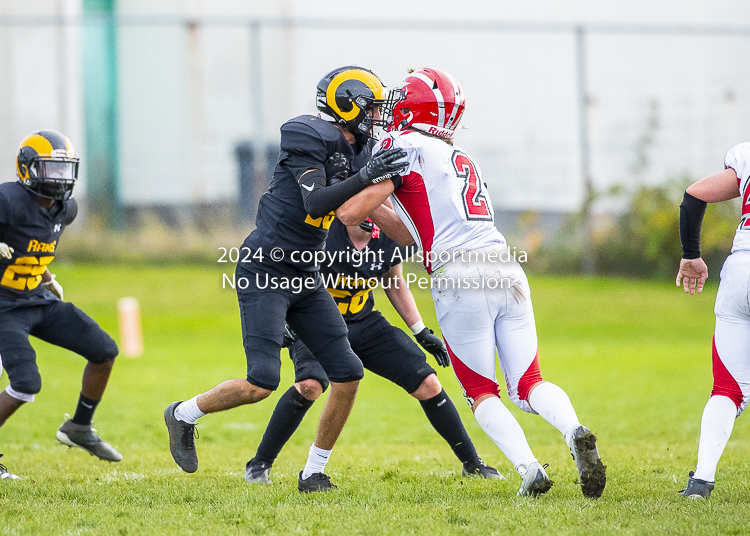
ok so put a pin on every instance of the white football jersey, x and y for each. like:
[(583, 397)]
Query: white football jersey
[(442, 199), (738, 158)]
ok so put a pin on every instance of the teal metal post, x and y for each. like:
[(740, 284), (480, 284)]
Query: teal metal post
[(99, 39)]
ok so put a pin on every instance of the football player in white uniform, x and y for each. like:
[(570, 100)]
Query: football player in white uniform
[(442, 204), (731, 362)]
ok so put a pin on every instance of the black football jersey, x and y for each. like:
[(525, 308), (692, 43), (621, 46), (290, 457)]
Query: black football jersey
[(282, 221), (350, 278), (34, 233)]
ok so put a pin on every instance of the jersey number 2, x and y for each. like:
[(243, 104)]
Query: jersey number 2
[(745, 221), (475, 201)]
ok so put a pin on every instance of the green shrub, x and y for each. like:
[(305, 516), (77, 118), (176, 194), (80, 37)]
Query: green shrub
[(644, 241)]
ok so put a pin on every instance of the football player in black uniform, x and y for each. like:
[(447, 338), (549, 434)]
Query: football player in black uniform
[(278, 278), (363, 258), (33, 214)]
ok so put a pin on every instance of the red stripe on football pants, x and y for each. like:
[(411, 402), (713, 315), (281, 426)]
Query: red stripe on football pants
[(474, 385), (724, 383)]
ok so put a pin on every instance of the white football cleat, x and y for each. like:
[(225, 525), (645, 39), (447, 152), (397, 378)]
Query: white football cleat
[(535, 481), (5, 474), (592, 473), (258, 472)]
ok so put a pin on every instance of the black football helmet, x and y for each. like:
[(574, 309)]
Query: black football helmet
[(350, 96), (46, 164)]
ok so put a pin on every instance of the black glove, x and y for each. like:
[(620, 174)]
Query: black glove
[(337, 169), (384, 165), (434, 345), (289, 337)]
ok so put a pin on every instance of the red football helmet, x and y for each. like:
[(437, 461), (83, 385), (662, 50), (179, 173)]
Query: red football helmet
[(429, 100)]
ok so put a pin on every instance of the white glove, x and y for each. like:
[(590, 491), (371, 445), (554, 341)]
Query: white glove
[(54, 287), (6, 251)]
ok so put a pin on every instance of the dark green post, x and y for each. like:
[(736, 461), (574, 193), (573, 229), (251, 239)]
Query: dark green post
[(99, 38)]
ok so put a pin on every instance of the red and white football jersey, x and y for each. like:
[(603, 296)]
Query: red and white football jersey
[(442, 199), (738, 158)]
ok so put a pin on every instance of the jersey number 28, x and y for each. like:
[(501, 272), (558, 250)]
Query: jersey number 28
[(475, 200)]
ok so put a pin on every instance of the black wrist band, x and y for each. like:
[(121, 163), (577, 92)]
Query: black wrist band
[(692, 211)]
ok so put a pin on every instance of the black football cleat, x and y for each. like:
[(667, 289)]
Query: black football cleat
[(696, 488), (85, 437), (181, 440), (481, 469), (257, 472), (315, 482)]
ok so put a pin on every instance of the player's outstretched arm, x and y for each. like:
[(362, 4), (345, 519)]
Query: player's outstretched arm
[(318, 197), (403, 301), (721, 186), (389, 222), (321, 197), (359, 207), (715, 188)]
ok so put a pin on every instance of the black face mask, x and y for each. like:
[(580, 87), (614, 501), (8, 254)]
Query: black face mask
[(52, 179)]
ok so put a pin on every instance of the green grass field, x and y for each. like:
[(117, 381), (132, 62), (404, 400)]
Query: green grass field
[(634, 357)]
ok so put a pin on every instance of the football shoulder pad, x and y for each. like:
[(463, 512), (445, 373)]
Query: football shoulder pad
[(738, 158), (70, 211), (308, 135)]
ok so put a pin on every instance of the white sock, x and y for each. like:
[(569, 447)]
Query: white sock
[(716, 427), (503, 429), (553, 405), (188, 411), (316, 461)]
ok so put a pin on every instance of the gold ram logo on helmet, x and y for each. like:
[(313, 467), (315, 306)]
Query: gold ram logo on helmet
[(349, 96), (46, 164)]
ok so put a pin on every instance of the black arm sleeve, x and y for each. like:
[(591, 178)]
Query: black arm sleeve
[(692, 211), (304, 148), (320, 199)]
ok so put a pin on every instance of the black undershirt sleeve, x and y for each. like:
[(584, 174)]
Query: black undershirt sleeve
[(320, 199), (305, 160), (692, 211)]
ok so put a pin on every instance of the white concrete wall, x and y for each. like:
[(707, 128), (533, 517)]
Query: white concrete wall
[(40, 79), (187, 94)]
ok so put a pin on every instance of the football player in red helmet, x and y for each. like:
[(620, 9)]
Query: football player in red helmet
[(481, 294), (293, 219), (428, 100)]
